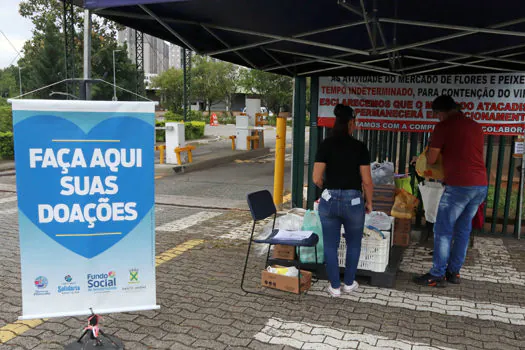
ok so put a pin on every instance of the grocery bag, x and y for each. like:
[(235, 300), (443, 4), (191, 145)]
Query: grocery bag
[(382, 173), (312, 222), (404, 182), (431, 193), (404, 205), (434, 171)]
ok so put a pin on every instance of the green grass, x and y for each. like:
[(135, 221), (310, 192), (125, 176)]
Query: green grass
[(502, 199)]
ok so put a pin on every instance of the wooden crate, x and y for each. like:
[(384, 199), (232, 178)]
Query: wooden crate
[(402, 229)]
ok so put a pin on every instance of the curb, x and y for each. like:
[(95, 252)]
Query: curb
[(186, 168)]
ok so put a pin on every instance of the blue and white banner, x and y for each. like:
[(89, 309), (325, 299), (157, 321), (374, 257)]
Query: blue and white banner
[(85, 184)]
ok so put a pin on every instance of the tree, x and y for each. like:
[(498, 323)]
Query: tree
[(170, 89), (275, 90), (44, 56), (213, 81), (9, 82)]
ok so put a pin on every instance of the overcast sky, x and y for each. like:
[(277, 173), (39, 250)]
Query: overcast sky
[(16, 28)]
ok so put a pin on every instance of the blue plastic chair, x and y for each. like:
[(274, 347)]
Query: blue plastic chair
[(261, 207)]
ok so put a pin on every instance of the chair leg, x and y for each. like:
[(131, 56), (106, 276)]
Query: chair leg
[(299, 268), (268, 255), (246, 261)]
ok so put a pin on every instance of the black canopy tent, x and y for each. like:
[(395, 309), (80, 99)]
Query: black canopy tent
[(331, 37), (335, 37)]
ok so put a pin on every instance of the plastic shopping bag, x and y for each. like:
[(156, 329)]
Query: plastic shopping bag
[(382, 173), (292, 221), (431, 193), (404, 205), (434, 171), (378, 219), (312, 222), (404, 182)]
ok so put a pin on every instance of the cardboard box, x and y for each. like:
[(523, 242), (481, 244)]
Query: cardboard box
[(283, 252), (286, 283)]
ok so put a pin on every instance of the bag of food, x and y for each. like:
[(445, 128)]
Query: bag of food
[(404, 205), (434, 171)]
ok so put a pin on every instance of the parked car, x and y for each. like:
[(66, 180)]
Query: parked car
[(264, 110)]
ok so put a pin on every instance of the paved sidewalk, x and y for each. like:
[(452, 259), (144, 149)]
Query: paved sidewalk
[(200, 253)]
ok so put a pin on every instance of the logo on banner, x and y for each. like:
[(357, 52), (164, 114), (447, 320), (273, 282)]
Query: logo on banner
[(86, 196), (102, 282), (69, 286), (133, 276), (41, 283), (133, 281)]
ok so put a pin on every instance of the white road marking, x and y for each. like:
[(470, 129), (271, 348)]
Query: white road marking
[(188, 221), (302, 335), (504, 313), (494, 263)]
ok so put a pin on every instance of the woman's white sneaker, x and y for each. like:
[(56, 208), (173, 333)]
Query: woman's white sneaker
[(352, 288), (335, 292)]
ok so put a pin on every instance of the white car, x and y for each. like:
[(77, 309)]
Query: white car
[(264, 110)]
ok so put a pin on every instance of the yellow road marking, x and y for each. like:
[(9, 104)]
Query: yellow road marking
[(158, 177), (176, 251), (13, 330)]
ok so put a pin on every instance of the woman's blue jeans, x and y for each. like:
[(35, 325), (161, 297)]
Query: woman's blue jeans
[(344, 208)]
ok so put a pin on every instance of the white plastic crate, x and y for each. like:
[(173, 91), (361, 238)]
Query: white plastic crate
[(374, 253)]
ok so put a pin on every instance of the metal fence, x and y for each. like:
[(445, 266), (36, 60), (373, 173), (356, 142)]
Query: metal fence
[(501, 211)]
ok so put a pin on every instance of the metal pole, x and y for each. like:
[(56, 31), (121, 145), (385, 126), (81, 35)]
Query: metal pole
[(87, 51), (115, 77), (20, 80), (520, 210), (280, 150)]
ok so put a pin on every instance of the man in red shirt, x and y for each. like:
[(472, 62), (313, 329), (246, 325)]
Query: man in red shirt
[(460, 141)]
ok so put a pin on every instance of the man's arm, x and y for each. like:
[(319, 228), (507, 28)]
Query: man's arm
[(432, 155)]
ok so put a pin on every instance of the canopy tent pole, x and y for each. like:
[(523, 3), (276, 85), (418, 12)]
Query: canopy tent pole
[(313, 141), (298, 143)]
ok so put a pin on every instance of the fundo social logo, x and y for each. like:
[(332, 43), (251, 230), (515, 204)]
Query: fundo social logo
[(69, 286), (101, 282)]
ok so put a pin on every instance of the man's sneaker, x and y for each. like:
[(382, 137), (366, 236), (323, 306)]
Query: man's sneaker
[(335, 292), (351, 288), (429, 280), (452, 277)]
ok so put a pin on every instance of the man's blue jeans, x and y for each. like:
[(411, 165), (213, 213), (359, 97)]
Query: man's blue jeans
[(453, 226), (345, 207)]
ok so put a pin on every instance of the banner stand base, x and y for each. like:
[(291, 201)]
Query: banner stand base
[(94, 338)]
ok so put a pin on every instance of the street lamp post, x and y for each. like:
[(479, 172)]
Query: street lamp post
[(114, 77), (20, 79)]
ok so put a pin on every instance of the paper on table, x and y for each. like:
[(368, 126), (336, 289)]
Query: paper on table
[(284, 235)]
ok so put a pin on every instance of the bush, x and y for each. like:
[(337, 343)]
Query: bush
[(192, 130), (226, 118), (160, 135), (172, 117), (196, 116), (6, 119), (6, 145)]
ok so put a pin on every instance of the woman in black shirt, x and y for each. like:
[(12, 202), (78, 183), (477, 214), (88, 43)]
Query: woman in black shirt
[(342, 170)]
